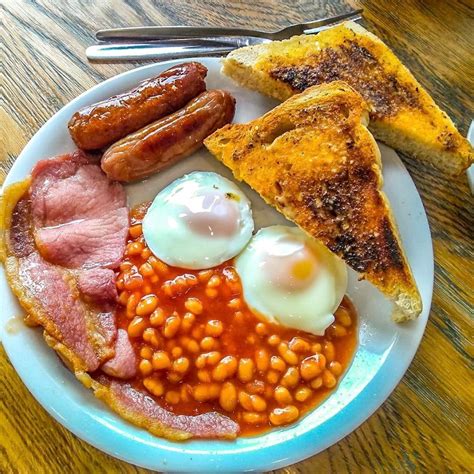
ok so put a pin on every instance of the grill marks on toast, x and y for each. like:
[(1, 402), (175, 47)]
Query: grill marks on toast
[(338, 203), (356, 65)]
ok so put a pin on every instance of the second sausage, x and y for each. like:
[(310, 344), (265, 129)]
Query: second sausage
[(167, 140)]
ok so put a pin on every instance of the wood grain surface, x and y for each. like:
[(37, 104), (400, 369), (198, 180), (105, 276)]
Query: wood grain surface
[(426, 424)]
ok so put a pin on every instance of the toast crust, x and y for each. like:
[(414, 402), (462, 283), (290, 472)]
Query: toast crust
[(402, 113), (314, 160)]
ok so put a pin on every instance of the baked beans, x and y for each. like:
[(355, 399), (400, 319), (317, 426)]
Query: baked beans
[(201, 349)]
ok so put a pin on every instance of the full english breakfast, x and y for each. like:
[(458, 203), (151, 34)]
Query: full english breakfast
[(178, 313)]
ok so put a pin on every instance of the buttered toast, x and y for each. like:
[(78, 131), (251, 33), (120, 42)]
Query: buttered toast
[(314, 160), (402, 113)]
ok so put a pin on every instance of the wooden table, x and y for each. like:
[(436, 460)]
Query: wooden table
[(425, 424)]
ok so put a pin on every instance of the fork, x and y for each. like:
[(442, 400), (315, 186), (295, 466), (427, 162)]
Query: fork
[(165, 42)]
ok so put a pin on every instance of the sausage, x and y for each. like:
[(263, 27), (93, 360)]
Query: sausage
[(169, 139), (99, 125)]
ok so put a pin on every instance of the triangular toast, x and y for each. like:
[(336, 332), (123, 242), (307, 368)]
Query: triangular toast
[(402, 113), (314, 160)]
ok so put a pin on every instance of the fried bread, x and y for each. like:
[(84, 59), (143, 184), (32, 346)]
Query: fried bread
[(314, 160), (402, 113)]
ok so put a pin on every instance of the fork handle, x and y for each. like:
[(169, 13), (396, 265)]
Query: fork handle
[(165, 32)]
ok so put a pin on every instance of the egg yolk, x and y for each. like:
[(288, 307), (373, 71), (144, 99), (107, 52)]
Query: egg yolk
[(212, 214), (302, 269), (290, 264)]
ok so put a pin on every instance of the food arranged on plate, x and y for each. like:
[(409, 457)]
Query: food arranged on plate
[(179, 314)]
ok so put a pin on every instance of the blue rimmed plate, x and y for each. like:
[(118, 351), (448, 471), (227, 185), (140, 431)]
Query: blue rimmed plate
[(384, 352)]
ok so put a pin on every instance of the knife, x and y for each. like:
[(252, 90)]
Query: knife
[(169, 42)]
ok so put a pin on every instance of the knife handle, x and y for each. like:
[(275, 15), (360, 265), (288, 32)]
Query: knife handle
[(163, 50), (159, 52)]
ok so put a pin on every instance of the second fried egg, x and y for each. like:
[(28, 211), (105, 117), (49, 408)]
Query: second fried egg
[(290, 278)]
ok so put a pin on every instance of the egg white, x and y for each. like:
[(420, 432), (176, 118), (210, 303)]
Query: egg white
[(172, 240)]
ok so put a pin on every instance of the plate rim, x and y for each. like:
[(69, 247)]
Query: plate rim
[(304, 449)]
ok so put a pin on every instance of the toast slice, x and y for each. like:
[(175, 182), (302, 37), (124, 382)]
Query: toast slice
[(314, 160), (402, 113)]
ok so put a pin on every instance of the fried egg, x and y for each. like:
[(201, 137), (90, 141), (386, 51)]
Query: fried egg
[(290, 278), (198, 221)]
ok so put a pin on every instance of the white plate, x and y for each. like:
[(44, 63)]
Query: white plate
[(384, 353)]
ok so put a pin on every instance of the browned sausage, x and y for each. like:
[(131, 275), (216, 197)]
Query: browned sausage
[(169, 139), (99, 125)]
